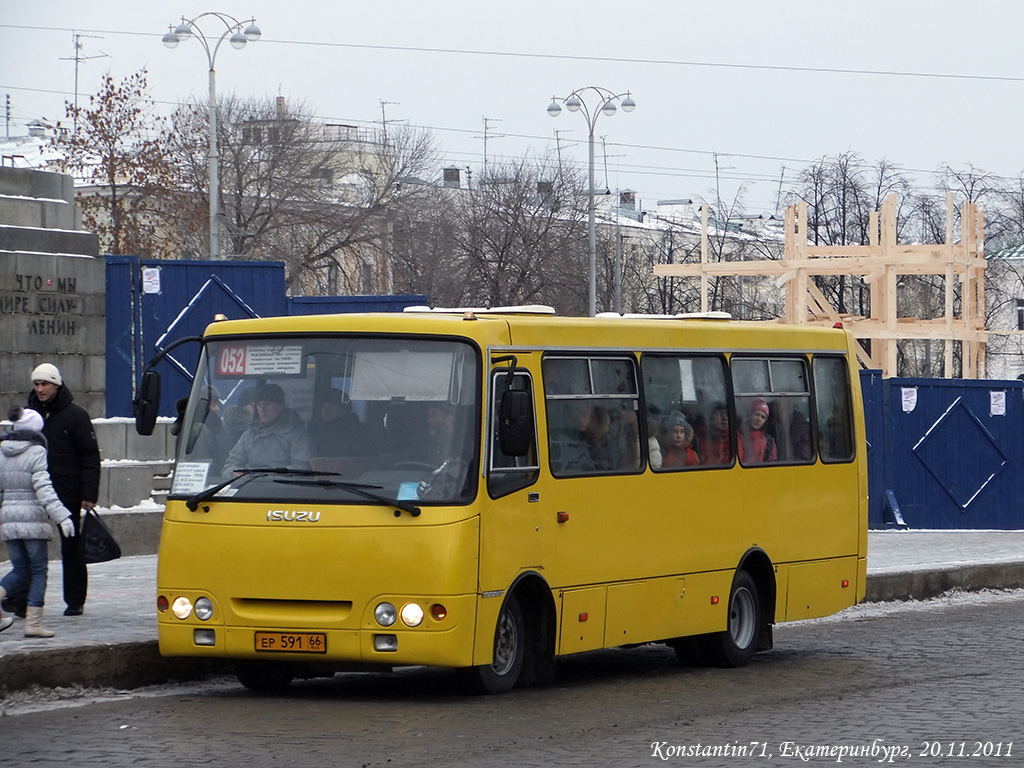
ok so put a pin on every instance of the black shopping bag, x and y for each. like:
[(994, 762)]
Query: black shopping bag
[(97, 542)]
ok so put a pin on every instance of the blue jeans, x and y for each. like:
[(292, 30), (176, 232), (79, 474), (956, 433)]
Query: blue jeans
[(29, 564)]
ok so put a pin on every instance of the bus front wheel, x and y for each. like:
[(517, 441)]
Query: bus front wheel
[(264, 676), (502, 674), (735, 647)]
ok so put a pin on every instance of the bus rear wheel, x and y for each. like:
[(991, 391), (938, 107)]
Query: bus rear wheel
[(502, 674), (264, 676), (735, 647)]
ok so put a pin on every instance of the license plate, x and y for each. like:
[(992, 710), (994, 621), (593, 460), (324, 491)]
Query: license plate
[(292, 642)]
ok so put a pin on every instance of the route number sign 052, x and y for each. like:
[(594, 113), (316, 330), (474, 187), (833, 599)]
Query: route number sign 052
[(238, 360), (231, 361)]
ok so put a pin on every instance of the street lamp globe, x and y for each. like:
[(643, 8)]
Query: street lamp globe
[(171, 39), (628, 105), (252, 33), (238, 41), (553, 108), (573, 103), (609, 108)]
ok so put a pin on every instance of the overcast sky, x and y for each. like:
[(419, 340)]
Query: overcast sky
[(766, 87)]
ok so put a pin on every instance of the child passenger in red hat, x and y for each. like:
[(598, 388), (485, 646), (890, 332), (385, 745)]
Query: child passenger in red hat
[(756, 446)]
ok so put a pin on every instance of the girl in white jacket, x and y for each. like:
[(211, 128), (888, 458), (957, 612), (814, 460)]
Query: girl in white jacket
[(27, 504)]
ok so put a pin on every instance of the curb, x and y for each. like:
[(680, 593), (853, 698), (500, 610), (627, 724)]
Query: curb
[(932, 582), (116, 665)]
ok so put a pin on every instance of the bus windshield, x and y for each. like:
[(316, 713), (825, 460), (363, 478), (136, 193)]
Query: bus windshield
[(347, 420)]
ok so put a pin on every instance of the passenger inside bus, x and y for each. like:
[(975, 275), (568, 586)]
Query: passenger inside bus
[(800, 439), (588, 444), (756, 445), (207, 438), (716, 449), (437, 444), (654, 455), (678, 451), (626, 430), (600, 440), (446, 446), (277, 439), (337, 431)]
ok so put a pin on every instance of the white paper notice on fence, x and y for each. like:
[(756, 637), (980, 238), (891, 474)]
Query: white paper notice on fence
[(997, 403), (151, 279), (909, 398)]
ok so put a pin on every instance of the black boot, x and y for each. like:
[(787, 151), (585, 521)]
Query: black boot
[(10, 605)]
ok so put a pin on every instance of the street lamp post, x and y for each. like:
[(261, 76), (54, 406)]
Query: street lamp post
[(607, 103), (238, 33)]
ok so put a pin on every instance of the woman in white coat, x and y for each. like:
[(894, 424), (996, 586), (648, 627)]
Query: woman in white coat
[(27, 504)]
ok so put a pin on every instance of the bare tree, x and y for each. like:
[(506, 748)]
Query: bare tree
[(118, 150), (515, 238), (675, 243), (423, 254), (316, 195)]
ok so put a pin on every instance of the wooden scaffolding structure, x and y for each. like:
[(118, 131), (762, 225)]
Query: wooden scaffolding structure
[(879, 264)]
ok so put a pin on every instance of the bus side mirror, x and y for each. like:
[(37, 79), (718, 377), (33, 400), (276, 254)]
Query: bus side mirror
[(147, 403), (515, 422)]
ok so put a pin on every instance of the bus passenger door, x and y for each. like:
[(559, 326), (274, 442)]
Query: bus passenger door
[(512, 537)]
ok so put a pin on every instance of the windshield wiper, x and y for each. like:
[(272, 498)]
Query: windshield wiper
[(194, 501), (359, 489)]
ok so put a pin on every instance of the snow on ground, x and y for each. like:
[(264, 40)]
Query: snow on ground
[(953, 598)]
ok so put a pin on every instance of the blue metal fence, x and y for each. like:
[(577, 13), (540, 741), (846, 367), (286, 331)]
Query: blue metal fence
[(151, 302), (944, 453)]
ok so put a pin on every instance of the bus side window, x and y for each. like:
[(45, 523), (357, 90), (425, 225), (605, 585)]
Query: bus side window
[(592, 406), (691, 389), (832, 406), (773, 408)]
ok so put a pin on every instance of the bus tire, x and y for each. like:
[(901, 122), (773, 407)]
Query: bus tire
[(264, 676), (502, 674), (735, 647)]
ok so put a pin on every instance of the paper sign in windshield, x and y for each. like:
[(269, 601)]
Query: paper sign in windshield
[(190, 477)]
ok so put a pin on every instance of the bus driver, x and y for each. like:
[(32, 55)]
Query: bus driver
[(277, 439)]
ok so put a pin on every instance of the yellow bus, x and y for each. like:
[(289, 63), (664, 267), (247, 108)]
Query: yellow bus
[(492, 489)]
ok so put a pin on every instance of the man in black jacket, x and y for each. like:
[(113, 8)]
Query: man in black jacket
[(73, 460)]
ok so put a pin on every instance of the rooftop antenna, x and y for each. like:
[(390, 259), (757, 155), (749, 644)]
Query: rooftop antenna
[(778, 197), (604, 151), (487, 122), (384, 119), (78, 58), (558, 143), (718, 185)]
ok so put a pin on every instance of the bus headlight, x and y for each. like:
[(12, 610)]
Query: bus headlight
[(204, 608), (385, 614), (412, 615), (182, 607)]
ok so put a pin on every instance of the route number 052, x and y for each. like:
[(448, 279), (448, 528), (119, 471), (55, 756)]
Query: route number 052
[(231, 361)]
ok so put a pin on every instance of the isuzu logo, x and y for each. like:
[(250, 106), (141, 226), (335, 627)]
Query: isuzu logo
[(291, 516)]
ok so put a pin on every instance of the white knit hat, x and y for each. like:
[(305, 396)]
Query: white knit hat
[(47, 372), (28, 419)]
